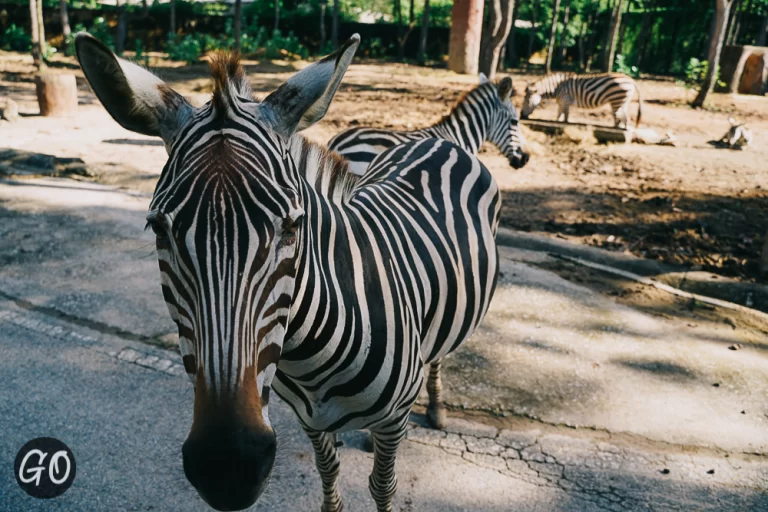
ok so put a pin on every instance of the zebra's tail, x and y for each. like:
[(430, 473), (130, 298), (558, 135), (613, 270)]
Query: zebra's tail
[(639, 107)]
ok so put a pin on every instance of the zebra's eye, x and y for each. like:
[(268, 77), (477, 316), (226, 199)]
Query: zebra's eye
[(289, 234), (156, 227)]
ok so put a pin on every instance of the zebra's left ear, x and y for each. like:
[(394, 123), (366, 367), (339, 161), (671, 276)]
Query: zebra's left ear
[(483, 78), (304, 99), (505, 89)]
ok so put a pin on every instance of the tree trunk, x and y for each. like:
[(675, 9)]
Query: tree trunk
[(610, 50), (122, 27), (422, 56), (620, 42), (335, 25), (323, 5), (56, 94), (495, 35), (722, 11), (511, 55), (552, 36), (37, 50), (732, 22), (761, 34), (172, 25), (642, 38), (592, 41), (238, 24), (582, 38), (532, 31), (66, 31), (404, 32), (564, 34), (277, 15), (466, 34)]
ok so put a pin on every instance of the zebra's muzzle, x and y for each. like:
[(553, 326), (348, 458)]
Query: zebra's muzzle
[(229, 467), (518, 161)]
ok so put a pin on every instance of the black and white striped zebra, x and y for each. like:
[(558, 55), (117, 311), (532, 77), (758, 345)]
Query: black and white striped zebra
[(484, 113), (586, 91), (284, 271)]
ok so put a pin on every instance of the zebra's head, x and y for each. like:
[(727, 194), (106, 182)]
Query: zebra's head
[(227, 212), (531, 102), (505, 131)]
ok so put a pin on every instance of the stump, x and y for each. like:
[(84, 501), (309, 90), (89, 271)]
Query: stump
[(56, 94)]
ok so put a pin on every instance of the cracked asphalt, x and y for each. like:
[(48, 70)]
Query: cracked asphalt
[(599, 406)]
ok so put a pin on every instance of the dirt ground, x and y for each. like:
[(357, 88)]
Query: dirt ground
[(694, 205)]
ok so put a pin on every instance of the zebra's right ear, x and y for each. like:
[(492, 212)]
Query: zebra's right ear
[(483, 78), (505, 89), (134, 97)]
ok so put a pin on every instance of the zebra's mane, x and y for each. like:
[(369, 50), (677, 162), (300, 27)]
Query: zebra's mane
[(326, 171), (229, 80), (464, 97)]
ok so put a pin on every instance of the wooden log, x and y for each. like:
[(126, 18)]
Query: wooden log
[(764, 258), (580, 132), (56, 94)]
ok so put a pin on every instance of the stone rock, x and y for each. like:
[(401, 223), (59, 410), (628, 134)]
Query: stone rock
[(9, 111)]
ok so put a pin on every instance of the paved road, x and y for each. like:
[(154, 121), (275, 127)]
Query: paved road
[(124, 409)]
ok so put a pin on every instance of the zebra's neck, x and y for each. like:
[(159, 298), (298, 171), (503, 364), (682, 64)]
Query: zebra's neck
[(469, 122), (325, 172), (547, 86)]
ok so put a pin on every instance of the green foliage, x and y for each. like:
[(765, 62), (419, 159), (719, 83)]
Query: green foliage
[(277, 44), (620, 65), (695, 72), (15, 39), (188, 48)]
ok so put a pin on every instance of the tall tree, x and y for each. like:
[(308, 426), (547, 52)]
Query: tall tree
[(495, 35), (644, 35), (564, 33), (423, 36), (277, 14), (511, 49), (402, 31), (587, 16), (613, 31), (722, 12), (122, 26), (532, 31), (335, 25), (323, 5), (238, 24), (552, 36), (466, 34), (761, 33), (172, 24), (38, 34), (66, 31)]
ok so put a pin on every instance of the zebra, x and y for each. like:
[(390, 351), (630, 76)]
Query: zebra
[(283, 271), (586, 91), (483, 113)]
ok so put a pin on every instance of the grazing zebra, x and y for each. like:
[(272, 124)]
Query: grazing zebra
[(484, 113), (586, 91), (283, 271)]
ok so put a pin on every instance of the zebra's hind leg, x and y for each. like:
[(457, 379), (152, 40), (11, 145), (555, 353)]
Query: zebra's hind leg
[(327, 462), (435, 409), (383, 480)]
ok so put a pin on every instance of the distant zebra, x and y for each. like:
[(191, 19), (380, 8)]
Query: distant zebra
[(484, 113), (586, 91), (284, 271)]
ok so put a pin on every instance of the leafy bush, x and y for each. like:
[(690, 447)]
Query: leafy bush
[(188, 48), (100, 30), (620, 65), (15, 39), (278, 43), (695, 72)]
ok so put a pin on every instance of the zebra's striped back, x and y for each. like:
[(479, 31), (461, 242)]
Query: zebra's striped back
[(588, 91), (484, 113)]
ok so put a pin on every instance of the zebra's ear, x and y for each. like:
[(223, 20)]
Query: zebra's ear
[(505, 89), (483, 78), (304, 99), (134, 97)]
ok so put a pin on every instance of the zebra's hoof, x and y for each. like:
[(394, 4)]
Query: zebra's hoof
[(436, 416)]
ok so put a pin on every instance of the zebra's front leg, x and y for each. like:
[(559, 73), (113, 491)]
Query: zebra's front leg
[(435, 409), (383, 480), (327, 463)]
